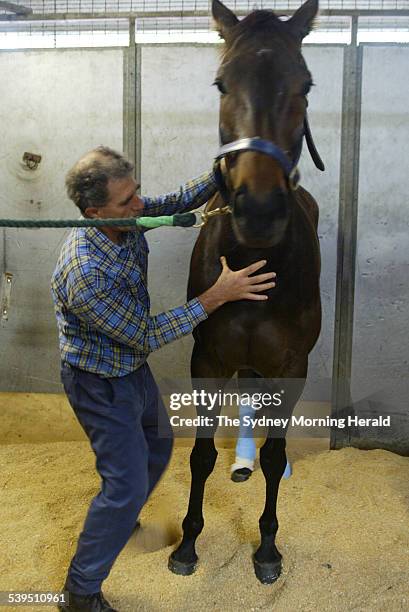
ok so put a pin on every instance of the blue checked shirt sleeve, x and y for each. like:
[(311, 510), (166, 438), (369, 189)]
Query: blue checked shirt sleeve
[(190, 196), (114, 311)]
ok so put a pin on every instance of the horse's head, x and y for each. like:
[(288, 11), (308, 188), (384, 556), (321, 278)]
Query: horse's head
[(264, 82)]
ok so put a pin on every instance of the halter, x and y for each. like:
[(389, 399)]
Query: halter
[(288, 164)]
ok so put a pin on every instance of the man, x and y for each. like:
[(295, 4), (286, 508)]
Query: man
[(106, 334)]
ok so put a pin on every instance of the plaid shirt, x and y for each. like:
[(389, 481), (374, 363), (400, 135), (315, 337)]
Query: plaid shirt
[(101, 298)]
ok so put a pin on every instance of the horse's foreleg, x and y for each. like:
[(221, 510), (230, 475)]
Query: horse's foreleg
[(202, 461), (267, 559), (273, 460)]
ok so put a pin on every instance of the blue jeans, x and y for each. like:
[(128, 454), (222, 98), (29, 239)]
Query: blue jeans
[(120, 418)]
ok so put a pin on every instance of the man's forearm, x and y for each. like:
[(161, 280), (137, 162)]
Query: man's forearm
[(192, 195), (211, 299)]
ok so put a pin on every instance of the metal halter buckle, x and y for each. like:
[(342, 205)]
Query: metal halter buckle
[(294, 178), (205, 216)]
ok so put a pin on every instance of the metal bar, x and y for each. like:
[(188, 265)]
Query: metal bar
[(4, 248), (132, 101), (347, 235), (183, 14), (364, 13), (138, 111), (354, 31), (3, 263), (3, 266), (129, 96)]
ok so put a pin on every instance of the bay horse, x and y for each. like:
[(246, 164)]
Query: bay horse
[(263, 81)]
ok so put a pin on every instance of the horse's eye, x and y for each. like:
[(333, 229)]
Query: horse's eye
[(220, 86)]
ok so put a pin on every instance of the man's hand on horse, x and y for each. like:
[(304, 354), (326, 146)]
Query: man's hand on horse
[(238, 285)]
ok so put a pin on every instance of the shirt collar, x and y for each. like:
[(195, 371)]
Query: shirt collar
[(102, 241)]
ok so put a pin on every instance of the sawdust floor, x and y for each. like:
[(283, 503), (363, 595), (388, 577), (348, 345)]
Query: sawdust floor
[(344, 532)]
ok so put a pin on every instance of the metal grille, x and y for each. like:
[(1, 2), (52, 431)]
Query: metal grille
[(101, 22), (46, 7)]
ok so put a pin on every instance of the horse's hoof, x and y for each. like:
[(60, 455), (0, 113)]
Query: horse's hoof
[(181, 568), (267, 573), (241, 475)]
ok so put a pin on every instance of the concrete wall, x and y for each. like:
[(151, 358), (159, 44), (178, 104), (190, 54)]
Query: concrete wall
[(179, 139), (380, 342), (58, 104), (53, 104)]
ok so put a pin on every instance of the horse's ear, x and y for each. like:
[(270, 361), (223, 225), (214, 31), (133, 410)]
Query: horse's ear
[(225, 19), (301, 23)]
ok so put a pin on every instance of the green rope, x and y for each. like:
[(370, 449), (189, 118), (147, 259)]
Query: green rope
[(178, 220)]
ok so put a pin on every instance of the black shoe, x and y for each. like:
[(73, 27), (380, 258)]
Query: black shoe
[(86, 603), (241, 475)]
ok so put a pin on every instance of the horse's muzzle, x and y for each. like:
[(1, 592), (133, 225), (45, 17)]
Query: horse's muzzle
[(260, 222)]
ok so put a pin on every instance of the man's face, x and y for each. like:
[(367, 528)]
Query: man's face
[(123, 202)]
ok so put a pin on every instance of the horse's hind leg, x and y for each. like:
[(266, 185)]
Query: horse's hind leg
[(202, 461)]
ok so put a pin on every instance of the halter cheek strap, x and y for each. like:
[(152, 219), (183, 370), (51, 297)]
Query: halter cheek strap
[(311, 146), (221, 184)]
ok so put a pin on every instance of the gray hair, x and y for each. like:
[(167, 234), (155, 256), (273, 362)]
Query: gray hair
[(87, 181)]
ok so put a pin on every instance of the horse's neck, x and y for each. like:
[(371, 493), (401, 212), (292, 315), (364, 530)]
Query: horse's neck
[(295, 259)]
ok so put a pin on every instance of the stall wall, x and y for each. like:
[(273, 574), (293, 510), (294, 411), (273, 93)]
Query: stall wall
[(381, 322), (179, 141), (62, 103), (58, 104)]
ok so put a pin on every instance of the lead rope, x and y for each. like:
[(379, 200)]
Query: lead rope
[(178, 220)]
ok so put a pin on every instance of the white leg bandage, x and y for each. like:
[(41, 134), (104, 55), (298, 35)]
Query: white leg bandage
[(241, 462)]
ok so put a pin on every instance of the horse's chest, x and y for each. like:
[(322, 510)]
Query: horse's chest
[(241, 325)]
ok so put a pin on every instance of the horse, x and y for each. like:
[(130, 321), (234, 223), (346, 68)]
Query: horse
[(263, 82)]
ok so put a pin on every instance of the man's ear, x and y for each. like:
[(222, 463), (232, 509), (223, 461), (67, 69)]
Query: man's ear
[(302, 22), (91, 212), (225, 19)]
